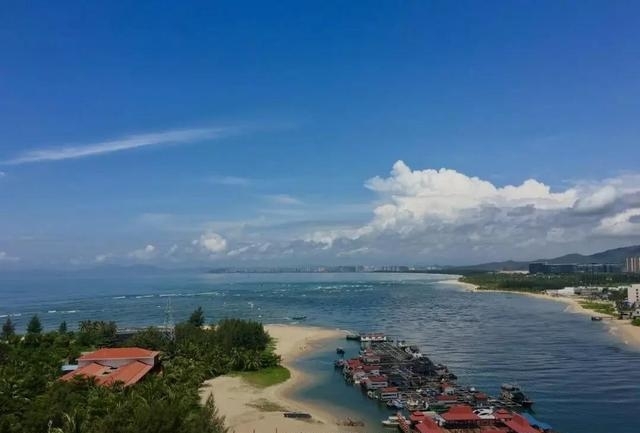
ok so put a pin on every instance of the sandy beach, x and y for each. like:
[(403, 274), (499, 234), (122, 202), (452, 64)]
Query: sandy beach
[(249, 409), (621, 329)]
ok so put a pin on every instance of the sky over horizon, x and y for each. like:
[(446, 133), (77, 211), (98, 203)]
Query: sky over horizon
[(322, 132)]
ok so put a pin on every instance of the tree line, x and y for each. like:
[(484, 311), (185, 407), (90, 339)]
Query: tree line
[(32, 399)]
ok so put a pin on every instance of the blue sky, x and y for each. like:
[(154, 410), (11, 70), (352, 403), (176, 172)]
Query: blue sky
[(249, 132)]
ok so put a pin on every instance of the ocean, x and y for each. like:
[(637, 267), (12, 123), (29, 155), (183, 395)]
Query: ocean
[(582, 379)]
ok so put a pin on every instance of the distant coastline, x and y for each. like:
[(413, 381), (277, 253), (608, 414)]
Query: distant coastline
[(622, 330)]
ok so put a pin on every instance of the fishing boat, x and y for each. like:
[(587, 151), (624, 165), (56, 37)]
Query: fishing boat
[(391, 421), (596, 318), (511, 393), (340, 351), (395, 404), (353, 337), (339, 363), (299, 317)]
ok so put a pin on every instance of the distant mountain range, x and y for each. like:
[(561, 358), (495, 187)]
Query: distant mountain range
[(616, 255)]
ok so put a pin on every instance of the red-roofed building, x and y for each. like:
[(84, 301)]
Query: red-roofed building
[(503, 414), (518, 424), (115, 365), (428, 425), (376, 382), (460, 416)]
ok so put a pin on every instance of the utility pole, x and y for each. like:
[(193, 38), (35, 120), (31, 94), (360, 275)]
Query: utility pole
[(169, 325)]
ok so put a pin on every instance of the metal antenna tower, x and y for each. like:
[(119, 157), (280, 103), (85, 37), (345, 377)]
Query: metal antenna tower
[(169, 325)]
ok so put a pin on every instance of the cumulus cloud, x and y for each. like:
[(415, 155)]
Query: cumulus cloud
[(5, 257), (447, 193), (443, 213), (117, 145), (597, 201), (211, 242), (625, 223), (146, 253)]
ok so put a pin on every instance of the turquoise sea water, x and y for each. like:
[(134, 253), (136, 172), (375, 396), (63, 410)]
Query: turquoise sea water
[(582, 379)]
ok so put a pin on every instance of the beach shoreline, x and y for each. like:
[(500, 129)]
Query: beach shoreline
[(620, 329), (249, 409)]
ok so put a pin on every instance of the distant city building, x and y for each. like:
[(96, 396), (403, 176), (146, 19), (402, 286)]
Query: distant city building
[(633, 294), (632, 264), (573, 268)]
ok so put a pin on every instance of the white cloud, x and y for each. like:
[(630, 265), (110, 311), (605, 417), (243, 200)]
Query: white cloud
[(445, 193), (239, 251), (146, 253), (596, 201), (230, 180), (626, 223), (284, 199), (173, 249), (125, 143), (101, 258), (4, 257), (211, 242), (444, 214)]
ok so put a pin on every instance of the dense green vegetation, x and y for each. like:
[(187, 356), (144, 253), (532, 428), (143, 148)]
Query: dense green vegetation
[(33, 400), (600, 307), (538, 283), (267, 376), (636, 321)]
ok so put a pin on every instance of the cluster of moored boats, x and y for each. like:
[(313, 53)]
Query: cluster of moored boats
[(426, 396)]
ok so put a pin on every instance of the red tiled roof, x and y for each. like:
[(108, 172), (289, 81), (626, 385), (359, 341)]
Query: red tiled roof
[(460, 412), (417, 416), (89, 370), (520, 425), (127, 374), (446, 397), (425, 428), (428, 425), (390, 389), (377, 378), (503, 414), (118, 353), (371, 367)]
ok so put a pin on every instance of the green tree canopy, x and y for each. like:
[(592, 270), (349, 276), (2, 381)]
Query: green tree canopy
[(8, 329), (34, 326), (62, 329), (197, 317)]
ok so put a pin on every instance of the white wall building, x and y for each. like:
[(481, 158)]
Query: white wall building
[(633, 294)]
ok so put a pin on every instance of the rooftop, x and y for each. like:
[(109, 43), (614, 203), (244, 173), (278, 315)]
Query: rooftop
[(118, 353)]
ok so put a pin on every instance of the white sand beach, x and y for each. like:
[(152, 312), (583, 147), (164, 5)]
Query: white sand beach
[(249, 409)]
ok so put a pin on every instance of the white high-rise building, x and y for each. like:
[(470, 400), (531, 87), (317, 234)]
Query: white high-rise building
[(633, 294), (632, 264)]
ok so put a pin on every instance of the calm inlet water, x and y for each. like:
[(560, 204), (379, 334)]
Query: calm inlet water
[(582, 379)]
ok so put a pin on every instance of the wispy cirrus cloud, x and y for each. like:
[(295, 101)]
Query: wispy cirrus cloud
[(176, 136)]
